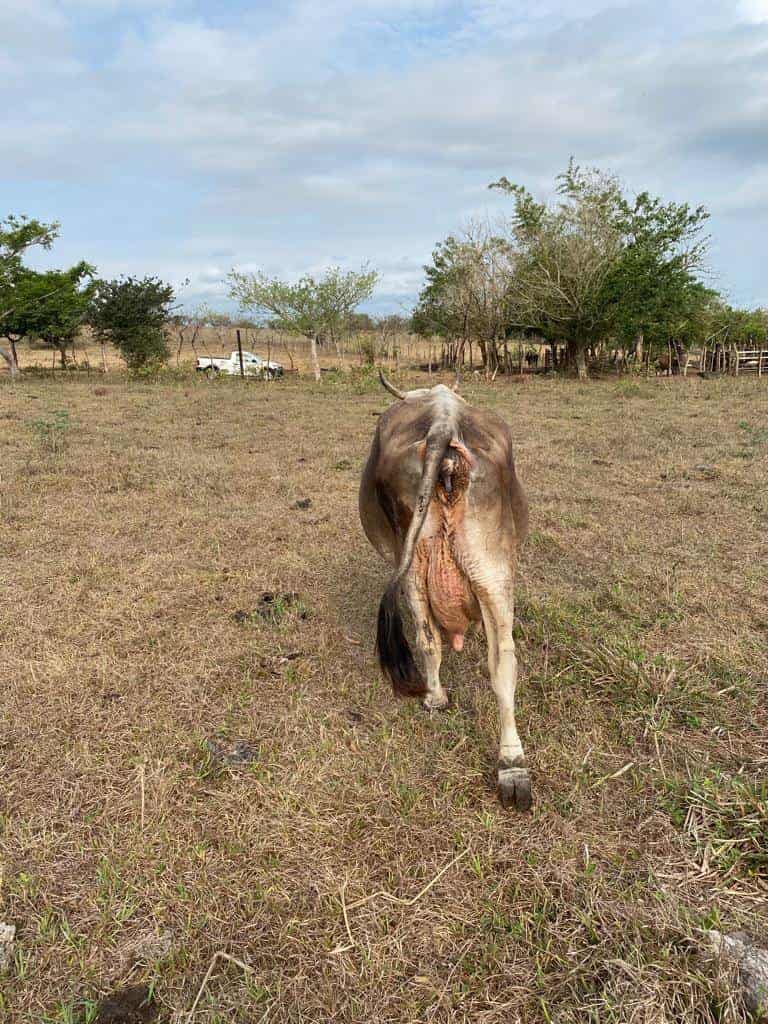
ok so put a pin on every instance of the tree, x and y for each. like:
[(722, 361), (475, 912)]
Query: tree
[(444, 301), (563, 255), (383, 337), (311, 307), (186, 325), (221, 325), (131, 313), (361, 322), (595, 263), (51, 306), (740, 327), (652, 291), (467, 294), (17, 235), (721, 325)]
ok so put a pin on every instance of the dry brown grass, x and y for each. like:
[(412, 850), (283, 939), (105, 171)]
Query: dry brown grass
[(293, 352), (133, 534)]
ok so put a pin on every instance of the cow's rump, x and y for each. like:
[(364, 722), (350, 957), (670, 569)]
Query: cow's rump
[(437, 561)]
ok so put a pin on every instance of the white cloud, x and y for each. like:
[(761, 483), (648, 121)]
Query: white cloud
[(301, 135), (35, 35), (754, 10)]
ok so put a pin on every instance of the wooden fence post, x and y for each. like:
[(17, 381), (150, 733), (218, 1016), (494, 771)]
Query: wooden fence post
[(240, 353)]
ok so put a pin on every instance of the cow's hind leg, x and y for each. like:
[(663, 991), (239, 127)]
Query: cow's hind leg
[(513, 778), (429, 643)]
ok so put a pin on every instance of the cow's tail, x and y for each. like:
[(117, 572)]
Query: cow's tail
[(395, 655)]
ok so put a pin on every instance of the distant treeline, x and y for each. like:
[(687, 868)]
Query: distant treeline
[(594, 275)]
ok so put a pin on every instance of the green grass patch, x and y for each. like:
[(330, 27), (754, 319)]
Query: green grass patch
[(726, 816)]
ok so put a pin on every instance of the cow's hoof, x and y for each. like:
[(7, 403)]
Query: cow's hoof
[(435, 702), (515, 788)]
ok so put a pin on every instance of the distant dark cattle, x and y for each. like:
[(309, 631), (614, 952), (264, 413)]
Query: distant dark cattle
[(440, 497)]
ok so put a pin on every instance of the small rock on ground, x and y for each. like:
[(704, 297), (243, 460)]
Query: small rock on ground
[(146, 947), (7, 936), (752, 962), (703, 471)]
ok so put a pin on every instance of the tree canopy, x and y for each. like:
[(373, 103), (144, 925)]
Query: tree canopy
[(17, 235), (592, 265), (51, 305), (311, 307), (590, 270), (131, 313), (466, 295), (595, 262)]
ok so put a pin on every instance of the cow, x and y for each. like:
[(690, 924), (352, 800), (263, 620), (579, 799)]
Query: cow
[(440, 497)]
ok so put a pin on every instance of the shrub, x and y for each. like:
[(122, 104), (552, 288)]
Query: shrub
[(131, 314)]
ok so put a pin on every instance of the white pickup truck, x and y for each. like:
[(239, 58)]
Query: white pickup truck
[(253, 366)]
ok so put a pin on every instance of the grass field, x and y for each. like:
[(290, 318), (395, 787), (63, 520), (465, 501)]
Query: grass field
[(291, 351), (142, 525)]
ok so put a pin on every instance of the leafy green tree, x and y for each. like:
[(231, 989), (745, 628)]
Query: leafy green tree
[(652, 291), (17, 235), (466, 294), (740, 327), (443, 305), (563, 256), (595, 263), (131, 313), (311, 308), (51, 306)]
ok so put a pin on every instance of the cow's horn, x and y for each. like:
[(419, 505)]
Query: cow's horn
[(390, 387)]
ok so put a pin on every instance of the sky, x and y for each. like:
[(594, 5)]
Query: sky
[(186, 137)]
